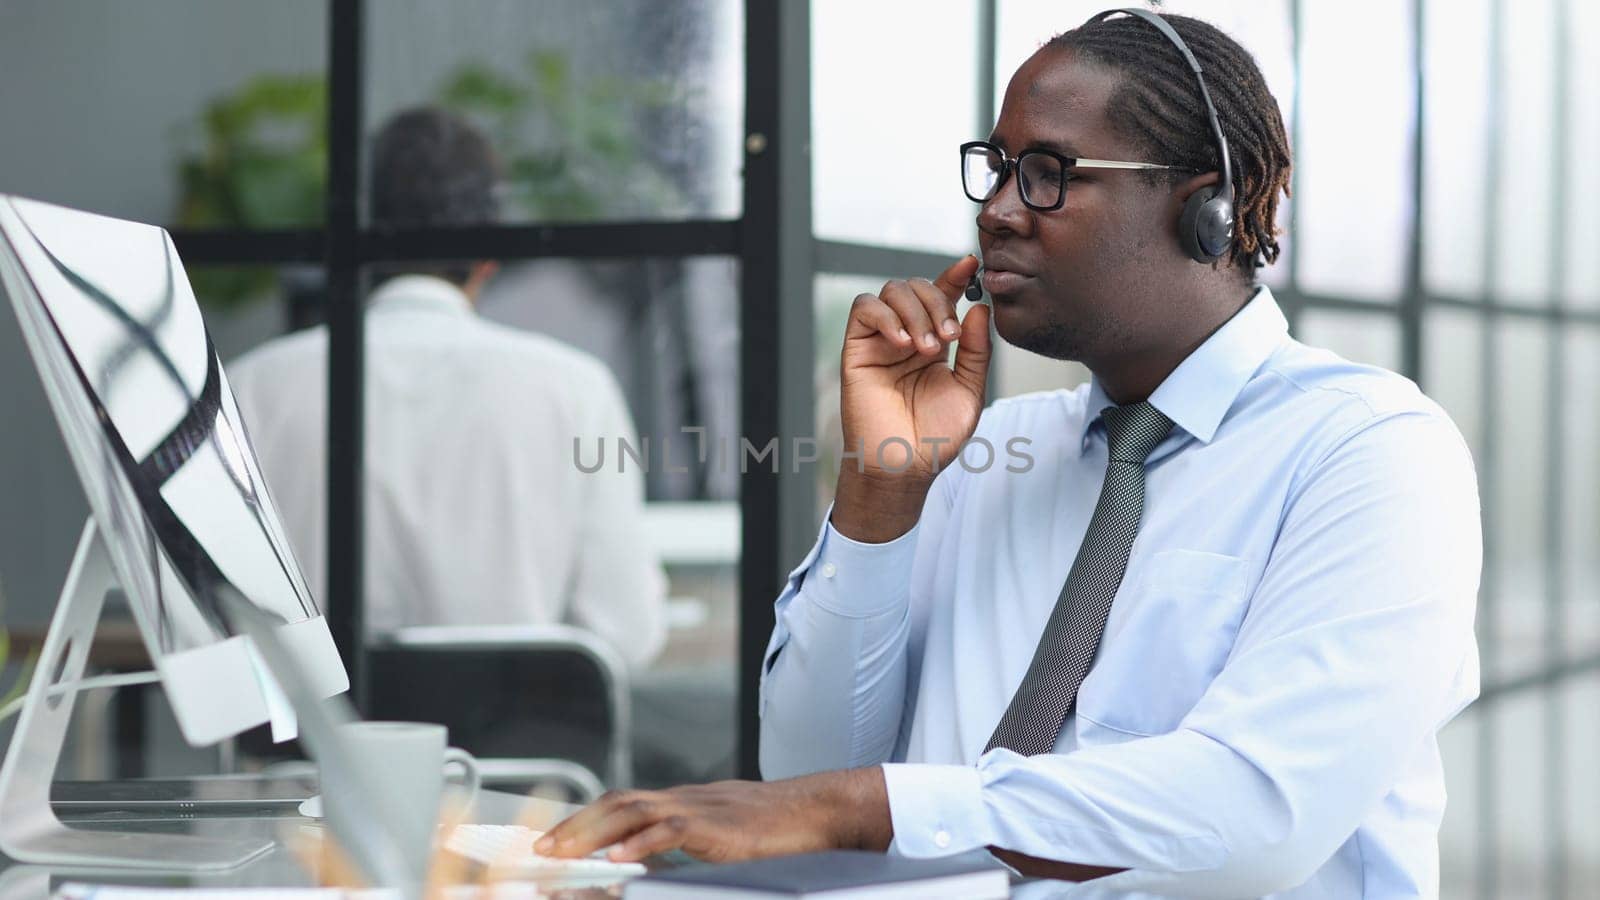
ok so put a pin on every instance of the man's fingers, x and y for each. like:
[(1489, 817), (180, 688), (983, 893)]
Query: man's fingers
[(572, 825), (870, 315), (667, 834), (972, 354), (941, 309), (602, 823), (953, 280), (901, 298)]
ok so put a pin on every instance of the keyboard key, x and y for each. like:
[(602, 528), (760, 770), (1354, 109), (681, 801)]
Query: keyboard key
[(508, 851)]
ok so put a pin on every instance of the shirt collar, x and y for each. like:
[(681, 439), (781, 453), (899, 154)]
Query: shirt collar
[(421, 293), (1201, 390)]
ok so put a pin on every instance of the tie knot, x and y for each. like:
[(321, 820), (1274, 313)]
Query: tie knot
[(1133, 431)]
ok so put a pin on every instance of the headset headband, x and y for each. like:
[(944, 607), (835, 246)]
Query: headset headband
[(1225, 188)]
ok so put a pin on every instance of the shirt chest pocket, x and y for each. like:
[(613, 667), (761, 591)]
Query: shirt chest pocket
[(1165, 640)]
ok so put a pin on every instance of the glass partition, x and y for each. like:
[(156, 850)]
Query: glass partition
[(887, 117), (599, 112), (209, 115)]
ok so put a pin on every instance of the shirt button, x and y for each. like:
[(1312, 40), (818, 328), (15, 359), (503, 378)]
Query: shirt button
[(828, 569), (941, 839)]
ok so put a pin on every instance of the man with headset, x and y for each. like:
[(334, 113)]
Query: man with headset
[(1270, 554)]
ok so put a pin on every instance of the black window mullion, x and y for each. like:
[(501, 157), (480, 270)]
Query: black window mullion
[(346, 343), (599, 240), (988, 51), (846, 258), (1543, 679), (1296, 141), (1560, 315), (237, 247), (1413, 301), (775, 378)]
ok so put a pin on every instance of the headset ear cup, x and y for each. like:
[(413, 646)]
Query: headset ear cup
[(1215, 227), (1190, 225)]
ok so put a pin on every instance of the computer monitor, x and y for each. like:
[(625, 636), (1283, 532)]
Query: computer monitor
[(179, 515)]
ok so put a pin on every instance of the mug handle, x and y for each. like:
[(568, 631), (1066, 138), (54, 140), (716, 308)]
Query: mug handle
[(469, 766)]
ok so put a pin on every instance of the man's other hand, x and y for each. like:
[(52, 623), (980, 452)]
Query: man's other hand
[(732, 820)]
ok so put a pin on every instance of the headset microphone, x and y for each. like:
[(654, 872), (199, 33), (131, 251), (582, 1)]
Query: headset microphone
[(975, 286)]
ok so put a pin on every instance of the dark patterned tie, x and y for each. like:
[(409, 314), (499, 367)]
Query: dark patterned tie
[(1049, 691)]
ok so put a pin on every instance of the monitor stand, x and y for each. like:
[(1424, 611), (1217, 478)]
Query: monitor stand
[(29, 829)]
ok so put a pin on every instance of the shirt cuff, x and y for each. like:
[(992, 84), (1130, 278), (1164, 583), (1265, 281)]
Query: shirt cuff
[(937, 810), (860, 581)]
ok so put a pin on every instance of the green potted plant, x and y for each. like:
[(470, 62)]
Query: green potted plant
[(255, 158)]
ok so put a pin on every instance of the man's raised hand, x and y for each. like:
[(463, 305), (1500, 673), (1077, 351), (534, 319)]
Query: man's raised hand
[(903, 406)]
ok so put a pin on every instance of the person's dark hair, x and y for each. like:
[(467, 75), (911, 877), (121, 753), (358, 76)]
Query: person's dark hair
[(1158, 106), (432, 168)]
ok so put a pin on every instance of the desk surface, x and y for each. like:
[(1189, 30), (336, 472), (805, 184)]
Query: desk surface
[(277, 868), (281, 868)]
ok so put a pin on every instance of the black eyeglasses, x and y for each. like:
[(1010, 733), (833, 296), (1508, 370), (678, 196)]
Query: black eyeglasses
[(1041, 174)]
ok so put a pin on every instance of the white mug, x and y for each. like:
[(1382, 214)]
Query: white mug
[(409, 759)]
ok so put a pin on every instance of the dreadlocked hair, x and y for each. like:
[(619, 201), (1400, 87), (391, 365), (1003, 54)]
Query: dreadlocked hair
[(1158, 106)]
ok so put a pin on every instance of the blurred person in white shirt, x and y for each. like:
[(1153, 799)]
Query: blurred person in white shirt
[(476, 510)]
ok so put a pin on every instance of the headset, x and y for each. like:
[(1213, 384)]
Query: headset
[(1205, 227)]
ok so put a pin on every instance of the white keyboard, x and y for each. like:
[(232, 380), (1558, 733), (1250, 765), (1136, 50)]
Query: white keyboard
[(508, 851)]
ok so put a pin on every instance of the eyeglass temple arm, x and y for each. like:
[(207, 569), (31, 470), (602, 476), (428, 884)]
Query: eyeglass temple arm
[(1118, 164)]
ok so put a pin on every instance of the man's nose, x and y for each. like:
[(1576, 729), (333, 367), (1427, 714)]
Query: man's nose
[(1004, 212)]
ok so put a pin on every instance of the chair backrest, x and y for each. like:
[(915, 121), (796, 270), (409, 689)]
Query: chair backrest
[(520, 692)]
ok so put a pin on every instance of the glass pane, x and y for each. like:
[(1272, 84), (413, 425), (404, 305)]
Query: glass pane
[(1264, 29), (1359, 337), (668, 330), (1354, 194), (1455, 141), (887, 117), (1519, 772), (499, 492), (1580, 491), (199, 115), (1023, 26), (601, 111), (1524, 214), (1515, 486), (1580, 778), (1458, 833), (1582, 178), (1452, 358)]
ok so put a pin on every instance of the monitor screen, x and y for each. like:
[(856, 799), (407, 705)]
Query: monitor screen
[(152, 428)]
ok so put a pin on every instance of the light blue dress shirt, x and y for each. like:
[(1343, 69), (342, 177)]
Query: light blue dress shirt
[(1295, 625)]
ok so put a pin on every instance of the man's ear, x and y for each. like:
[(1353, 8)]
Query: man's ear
[(1183, 190), (481, 273), (1203, 224)]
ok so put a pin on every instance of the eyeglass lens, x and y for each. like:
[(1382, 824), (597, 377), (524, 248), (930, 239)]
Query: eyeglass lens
[(1039, 176)]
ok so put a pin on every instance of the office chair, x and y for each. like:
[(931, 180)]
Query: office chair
[(531, 702)]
